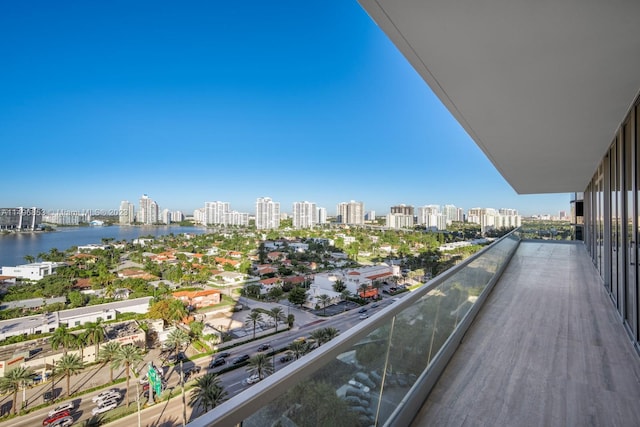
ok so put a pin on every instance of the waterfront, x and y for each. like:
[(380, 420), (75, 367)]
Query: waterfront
[(15, 246)]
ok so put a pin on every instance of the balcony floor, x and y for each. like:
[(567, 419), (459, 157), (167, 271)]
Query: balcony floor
[(547, 349)]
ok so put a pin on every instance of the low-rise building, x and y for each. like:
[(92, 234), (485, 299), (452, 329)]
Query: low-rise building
[(199, 299), (33, 271)]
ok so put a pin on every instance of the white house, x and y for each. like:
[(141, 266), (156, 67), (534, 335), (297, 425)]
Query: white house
[(33, 271)]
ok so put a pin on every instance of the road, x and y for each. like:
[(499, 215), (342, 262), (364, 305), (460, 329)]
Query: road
[(169, 413)]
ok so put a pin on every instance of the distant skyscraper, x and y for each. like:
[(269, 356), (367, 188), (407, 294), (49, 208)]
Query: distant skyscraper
[(267, 214), (350, 213), (305, 215), (487, 218), (370, 216), (148, 211), (165, 217), (402, 209), (177, 216), (126, 215), (452, 214), (216, 213), (322, 215), (199, 216), (399, 220)]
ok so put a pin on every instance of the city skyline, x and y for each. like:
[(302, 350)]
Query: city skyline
[(203, 102)]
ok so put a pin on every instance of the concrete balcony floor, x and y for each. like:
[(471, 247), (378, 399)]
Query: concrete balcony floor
[(547, 349)]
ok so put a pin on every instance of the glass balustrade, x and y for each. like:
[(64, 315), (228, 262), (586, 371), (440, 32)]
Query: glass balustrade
[(376, 372)]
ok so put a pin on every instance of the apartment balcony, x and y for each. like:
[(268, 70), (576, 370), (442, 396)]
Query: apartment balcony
[(521, 334)]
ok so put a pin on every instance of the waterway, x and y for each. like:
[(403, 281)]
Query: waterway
[(15, 246)]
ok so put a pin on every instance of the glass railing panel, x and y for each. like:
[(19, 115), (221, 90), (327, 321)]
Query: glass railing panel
[(365, 376)]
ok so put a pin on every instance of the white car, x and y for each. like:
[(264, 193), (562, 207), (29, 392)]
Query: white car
[(106, 394), (64, 407), (251, 380), (108, 401), (359, 385), (63, 422), (100, 409)]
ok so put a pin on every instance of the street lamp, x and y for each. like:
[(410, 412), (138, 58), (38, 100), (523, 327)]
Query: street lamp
[(184, 403)]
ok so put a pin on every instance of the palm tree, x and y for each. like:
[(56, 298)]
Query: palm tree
[(68, 365), (276, 313), (13, 380), (254, 318), (260, 365), (108, 354), (324, 300), (207, 393), (79, 342), (176, 310), (345, 295), (319, 336), (298, 348), (95, 334), (62, 337), (362, 290), (29, 259), (127, 356), (178, 340), (324, 335)]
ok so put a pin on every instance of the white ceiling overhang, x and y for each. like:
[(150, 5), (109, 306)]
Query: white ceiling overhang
[(541, 87)]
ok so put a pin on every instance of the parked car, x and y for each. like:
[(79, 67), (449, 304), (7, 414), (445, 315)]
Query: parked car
[(109, 401), (251, 380), (264, 347), (217, 362), (240, 359), (105, 394), (115, 396), (56, 417), (175, 358), (359, 385), (286, 358), (104, 408), (63, 422), (70, 406)]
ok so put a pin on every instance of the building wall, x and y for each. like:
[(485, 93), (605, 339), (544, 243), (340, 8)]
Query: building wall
[(611, 209)]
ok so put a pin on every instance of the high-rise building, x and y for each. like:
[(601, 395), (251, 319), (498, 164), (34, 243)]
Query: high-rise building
[(322, 215), (351, 213), (267, 214), (148, 212), (199, 216), (216, 213), (399, 220), (305, 215), (452, 214), (165, 216), (20, 218), (177, 216), (127, 213), (402, 209)]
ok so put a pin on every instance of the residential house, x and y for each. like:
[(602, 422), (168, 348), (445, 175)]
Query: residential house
[(199, 299)]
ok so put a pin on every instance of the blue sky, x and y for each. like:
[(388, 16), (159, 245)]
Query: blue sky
[(195, 101)]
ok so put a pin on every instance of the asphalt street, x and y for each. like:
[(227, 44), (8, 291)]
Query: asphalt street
[(170, 413)]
